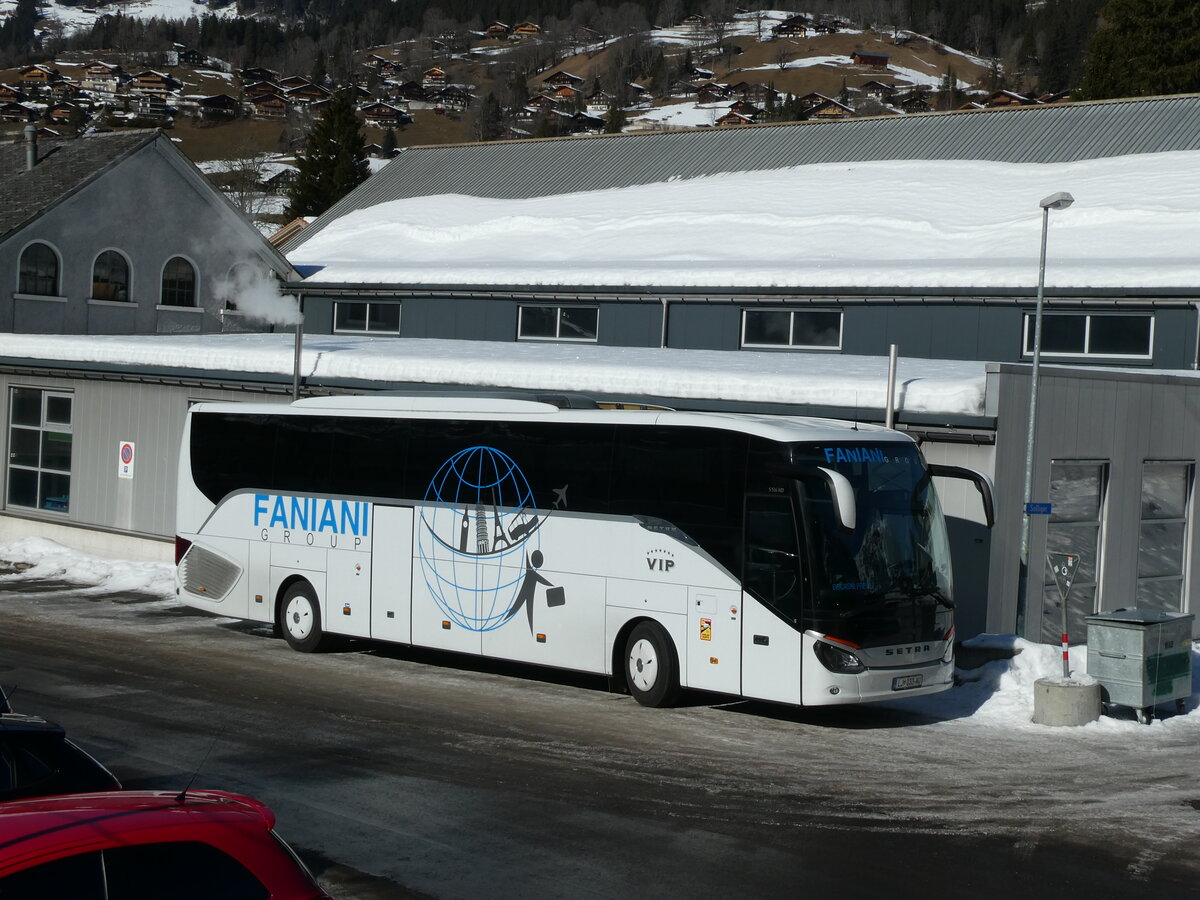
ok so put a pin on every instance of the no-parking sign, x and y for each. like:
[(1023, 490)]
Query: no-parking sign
[(125, 459)]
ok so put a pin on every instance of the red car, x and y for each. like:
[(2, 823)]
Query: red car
[(139, 845)]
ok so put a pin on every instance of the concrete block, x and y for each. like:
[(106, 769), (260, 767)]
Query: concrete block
[(1061, 702)]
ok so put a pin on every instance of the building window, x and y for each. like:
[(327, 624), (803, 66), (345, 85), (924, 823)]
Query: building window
[(558, 323), (1077, 492), (110, 277), (800, 329), (39, 450), (1119, 336), (39, 271), (372, 318), (179, 283), (1162, 536)]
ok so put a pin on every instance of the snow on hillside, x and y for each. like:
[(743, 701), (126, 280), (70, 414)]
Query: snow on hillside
[(75, 18)]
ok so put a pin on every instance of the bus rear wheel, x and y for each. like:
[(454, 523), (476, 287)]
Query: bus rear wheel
[(300, 619), (651, 670)]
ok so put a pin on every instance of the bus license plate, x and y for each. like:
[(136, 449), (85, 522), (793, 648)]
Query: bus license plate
[(905, 682)]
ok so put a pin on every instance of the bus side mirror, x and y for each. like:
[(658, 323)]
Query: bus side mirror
[(843, 497), (982, 483)]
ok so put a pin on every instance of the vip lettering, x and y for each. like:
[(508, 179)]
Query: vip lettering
[(660, 565)]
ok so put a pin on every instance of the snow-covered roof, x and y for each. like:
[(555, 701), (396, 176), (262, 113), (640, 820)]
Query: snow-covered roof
[(905, 224), (951, 388)]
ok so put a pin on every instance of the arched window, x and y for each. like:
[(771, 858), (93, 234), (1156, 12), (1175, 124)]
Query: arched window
[(110, 277), (39, 271), (179, 283)]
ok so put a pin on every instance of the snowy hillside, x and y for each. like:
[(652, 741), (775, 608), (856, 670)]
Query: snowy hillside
[(75, 18)]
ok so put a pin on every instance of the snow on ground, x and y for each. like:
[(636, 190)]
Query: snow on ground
[(39, 560), (997, 695), (677, 115), (915, 223), (855, 382)]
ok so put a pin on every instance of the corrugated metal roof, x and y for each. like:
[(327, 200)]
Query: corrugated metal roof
[(539, 168)]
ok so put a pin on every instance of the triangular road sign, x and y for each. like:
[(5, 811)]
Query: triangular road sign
[(1063, 565)]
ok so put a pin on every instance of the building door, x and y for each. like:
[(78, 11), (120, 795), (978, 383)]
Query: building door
[(773, 580)]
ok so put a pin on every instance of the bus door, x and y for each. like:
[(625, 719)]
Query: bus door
[(773, 582), (391, 573)]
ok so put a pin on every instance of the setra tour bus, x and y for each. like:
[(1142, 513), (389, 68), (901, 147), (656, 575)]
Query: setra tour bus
[(787, 559)]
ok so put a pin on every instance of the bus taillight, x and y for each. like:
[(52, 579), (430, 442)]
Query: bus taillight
[(181, 547)]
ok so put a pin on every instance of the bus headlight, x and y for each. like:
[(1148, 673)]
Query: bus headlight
[(835, 659)]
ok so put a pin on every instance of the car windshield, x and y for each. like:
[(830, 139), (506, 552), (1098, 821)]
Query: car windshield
[(888, 579)]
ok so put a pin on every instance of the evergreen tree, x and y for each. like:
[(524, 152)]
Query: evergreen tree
[(334, 161), (614, 121), (489, 124), (1144, 48), (389, 142), (319, 73)]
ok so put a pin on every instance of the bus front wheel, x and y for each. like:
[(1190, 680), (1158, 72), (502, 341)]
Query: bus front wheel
[(300, 619), (651, 670)]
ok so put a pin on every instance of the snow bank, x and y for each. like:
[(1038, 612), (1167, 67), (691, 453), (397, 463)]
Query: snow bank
[(39, 560)]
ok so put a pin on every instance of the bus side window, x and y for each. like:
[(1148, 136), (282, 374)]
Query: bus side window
[(773, 571)]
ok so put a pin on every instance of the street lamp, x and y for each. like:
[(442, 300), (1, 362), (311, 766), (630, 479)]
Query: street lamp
[(1059, 200)]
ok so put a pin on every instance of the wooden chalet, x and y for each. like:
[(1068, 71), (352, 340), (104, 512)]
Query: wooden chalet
[(153, 83), (39, 76), (293, 81), (258, 88), (433, 77), (563, 79), (12, 111), (524, 30), (695, 73), (258, 73), (793, 26), (452, 98), (916, 103), (271, 106), (410, 90), (542, 103), (10, 94), (681, 89), (695, 21), (746, 108), (307, 93), (1008, 98), (877, 90), (565, 92), (384, 115), (64, 89), (828, 109), (63, 113), (733, 118), (598, 102), (219, 106), (712, 93), (754, 91), (870, 59), (102, 77), (498, 31)]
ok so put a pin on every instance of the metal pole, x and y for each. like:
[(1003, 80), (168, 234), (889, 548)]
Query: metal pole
[(889, 416), (296, 361), (1033, 390)]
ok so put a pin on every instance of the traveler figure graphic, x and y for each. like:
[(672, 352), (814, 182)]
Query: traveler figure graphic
[(554, 596)]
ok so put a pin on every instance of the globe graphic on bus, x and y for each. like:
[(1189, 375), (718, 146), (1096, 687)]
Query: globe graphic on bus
[(478, 527)]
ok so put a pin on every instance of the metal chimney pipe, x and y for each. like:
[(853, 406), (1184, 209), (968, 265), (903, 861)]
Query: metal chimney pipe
[(30, 147)]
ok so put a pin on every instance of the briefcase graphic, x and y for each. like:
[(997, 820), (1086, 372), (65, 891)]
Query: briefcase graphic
[(556, 596)]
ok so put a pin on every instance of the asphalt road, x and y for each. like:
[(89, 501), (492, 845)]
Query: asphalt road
[(400, 773)]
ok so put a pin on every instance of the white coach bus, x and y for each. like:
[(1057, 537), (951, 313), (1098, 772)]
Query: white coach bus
[(795, 560)]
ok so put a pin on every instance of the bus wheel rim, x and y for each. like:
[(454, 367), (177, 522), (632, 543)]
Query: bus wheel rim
[(298, 618), (643, 665)]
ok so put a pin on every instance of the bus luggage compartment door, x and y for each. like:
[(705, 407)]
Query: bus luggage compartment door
[(714, 640), (391, 573)]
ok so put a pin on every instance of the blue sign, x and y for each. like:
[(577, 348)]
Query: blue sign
[(1037, 509)]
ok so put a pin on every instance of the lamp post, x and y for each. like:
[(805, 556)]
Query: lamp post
[(1059, 200)]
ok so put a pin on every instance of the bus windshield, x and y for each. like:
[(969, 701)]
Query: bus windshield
[(887, 581)]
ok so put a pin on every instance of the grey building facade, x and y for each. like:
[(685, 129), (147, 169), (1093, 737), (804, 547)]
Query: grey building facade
[(121, 234), (1129, 326)]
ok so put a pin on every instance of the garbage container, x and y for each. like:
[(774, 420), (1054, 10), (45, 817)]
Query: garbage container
[(1141, 657)]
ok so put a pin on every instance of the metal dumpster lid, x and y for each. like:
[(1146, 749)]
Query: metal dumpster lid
[(1137, 616)]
